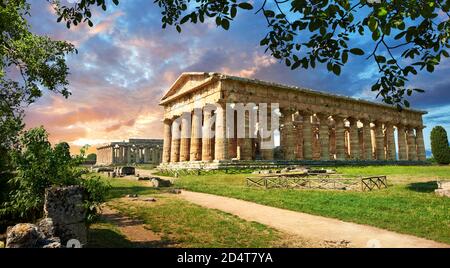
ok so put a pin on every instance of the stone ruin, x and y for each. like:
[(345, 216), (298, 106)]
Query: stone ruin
[(443, 188), (64, 219)]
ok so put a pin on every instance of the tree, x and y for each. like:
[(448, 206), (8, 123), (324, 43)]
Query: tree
[(29, 63), (439, 145), (40, 166), (408, 35)]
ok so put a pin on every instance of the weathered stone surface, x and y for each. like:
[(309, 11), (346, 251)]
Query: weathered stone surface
[(444, 185), (131, 151), (23, 235), (443, 188), (45, 225), (64, 205), (158, 182), (67, 232), (442, 192), (27, 235), (175, 191), (314, 126)]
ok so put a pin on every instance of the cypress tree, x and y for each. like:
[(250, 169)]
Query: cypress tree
[(439, 145)]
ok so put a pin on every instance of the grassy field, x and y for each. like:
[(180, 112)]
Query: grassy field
[(182, 224), (407, 206)]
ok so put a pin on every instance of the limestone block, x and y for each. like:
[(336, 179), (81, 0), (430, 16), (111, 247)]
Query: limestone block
[(442, 192), (444, 185), (23, 235), (64, 204)]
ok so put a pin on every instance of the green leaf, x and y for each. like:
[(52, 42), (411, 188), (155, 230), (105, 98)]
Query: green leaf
[(225, 24), (233, 11), (296, 65), (382, 12), (116, 2), (247, 6), (376, 35), (357, 51), (185, 19), (336, 69), (373, 23), (344, 57)]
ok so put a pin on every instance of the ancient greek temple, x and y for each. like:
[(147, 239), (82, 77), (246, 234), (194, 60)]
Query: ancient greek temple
[(133, 151), (314, 127)]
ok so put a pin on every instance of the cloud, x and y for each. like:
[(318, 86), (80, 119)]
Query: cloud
[(127, 61)]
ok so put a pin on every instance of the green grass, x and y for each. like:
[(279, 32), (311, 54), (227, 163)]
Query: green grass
[(107, 235), (122, 187), (183, 224), (408, 206)]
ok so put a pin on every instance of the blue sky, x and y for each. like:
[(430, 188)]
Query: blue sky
[(126, 62)]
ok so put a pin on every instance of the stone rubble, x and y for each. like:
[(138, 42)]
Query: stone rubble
[(443, 188)]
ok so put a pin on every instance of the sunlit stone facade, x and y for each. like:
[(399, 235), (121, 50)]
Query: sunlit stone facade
[(314, 127)]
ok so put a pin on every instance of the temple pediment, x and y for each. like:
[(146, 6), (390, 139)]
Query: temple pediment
[(185, 83)]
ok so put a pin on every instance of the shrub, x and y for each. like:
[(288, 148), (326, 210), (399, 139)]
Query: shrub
[(96, 189), (439, 145), (39, 166)]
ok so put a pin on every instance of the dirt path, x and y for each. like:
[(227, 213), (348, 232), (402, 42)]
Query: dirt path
[(310, 226), (132, 229)]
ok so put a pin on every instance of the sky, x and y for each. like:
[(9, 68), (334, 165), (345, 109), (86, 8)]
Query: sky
[(126, 62)]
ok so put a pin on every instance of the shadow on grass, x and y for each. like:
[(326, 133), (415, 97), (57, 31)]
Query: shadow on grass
[(105, 238), (117, 192), (423, 187)]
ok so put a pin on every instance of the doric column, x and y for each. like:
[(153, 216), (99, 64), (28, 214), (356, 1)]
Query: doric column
[(391, 155), (367, 140), (401, 138), (207, 141), (146, 154), (176, 139), (221, 142), (196, 135), (114, 155), (128, 153), (307, 135), (287, 133), (411, 140), (245, 151), (379, 140), (354, 139), (340, 137), (298, 136), (324, 137), (167, 140), (185, 136), (421, 156), (267, 138)]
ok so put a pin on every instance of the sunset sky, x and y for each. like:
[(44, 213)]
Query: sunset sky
[(126, 62)]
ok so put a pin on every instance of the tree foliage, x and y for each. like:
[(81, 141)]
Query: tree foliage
[(29, 63), (439, 145), (39, 166), (408, 35)]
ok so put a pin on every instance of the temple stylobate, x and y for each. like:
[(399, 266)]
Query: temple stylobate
[(313, 127)]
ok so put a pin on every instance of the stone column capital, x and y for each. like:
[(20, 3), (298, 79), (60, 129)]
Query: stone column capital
[(352, 120), (322, 116)]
